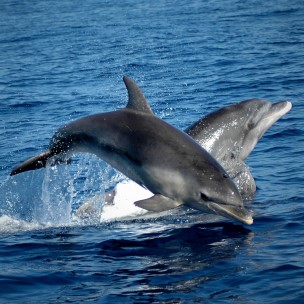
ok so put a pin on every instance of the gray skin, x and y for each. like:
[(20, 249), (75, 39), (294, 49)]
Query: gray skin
[(151, 152), (231, 133)]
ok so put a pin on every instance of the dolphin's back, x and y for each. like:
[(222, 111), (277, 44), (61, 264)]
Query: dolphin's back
[(140, 137)]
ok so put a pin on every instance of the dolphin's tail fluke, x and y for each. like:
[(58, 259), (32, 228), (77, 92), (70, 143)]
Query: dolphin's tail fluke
[(33, 163)]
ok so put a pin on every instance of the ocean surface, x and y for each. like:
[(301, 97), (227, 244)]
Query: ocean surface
[(61, 60)]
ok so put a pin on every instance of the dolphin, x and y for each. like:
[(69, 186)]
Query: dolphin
[(151, 152), (231, 133)]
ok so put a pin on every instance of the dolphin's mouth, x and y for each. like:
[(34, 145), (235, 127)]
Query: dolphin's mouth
[(276, 112), (233, 212), (282, 107)]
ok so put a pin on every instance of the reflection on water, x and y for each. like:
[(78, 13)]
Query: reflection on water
[(178, 260)]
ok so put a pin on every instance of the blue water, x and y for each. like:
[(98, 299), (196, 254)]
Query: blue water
[(60, 60)]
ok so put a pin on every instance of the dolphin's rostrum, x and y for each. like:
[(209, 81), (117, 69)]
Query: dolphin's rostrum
[(168, 162)]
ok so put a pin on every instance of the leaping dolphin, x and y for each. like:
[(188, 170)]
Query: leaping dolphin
[(151, 152), (231, 133)]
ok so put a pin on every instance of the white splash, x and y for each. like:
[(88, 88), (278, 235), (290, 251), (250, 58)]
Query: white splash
[(125, 194), (9, 225)]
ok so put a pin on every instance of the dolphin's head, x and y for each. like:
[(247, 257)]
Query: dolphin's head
[(222, 197), (258, 116), (218, 194), (236, 129)]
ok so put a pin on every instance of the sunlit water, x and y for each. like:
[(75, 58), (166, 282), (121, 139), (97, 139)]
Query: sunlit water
[(65, 59)]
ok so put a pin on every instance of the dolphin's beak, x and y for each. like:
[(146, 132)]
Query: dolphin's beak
[(281, 108), (233, 212), (275, 113)]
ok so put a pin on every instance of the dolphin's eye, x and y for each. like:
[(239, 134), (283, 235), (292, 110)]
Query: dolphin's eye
[(225, 175), (250, 125), (204, 197)]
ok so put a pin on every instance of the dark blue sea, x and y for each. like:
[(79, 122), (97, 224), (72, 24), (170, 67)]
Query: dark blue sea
[(61, 60)]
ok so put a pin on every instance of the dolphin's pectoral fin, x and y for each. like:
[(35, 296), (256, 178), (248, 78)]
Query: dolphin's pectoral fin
[(158, 203), (137, 100)]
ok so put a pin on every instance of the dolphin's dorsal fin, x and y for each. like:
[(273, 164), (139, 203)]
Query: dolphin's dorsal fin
[(137, 100)]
